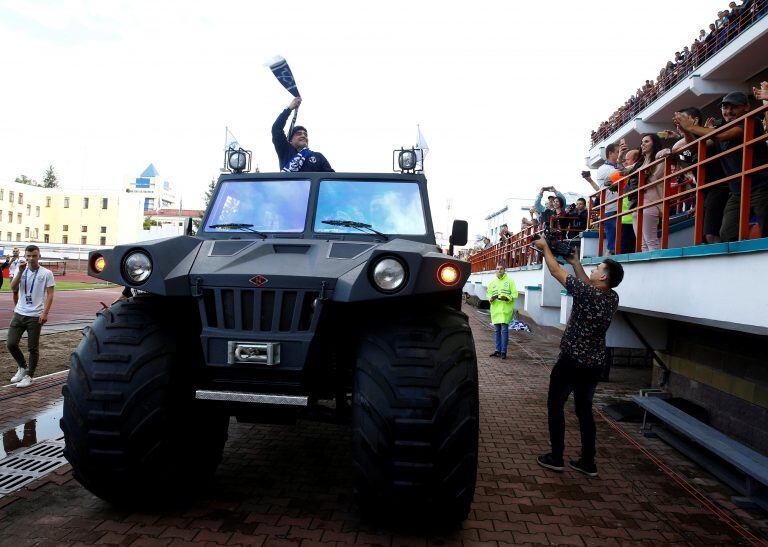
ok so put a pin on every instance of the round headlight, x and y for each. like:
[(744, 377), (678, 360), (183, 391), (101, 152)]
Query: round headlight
[(137, 267), (237, 161), (389, 275), (407, 160)]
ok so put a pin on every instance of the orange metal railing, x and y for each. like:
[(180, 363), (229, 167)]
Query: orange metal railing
[(518, 249), (716, 41), (673, 196)]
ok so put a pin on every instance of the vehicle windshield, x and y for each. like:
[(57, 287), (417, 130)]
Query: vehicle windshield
[(389, 207), (268, 205)]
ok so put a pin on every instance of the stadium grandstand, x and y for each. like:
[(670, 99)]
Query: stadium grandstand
[(685, 210)]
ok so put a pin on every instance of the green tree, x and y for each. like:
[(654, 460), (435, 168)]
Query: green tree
[(209, 192), (50, 180), (149, 221), (22, 179)]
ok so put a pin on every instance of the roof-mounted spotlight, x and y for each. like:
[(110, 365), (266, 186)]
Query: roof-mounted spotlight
[(408, 160), (237, 160)]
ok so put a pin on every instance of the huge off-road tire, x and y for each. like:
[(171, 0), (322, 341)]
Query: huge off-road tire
[(415, 418), (134, 435)]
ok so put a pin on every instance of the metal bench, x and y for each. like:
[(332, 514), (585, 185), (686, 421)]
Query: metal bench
[(747, 470)]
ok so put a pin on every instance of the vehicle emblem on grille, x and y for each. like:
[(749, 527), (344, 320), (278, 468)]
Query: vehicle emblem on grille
[(259, 280)]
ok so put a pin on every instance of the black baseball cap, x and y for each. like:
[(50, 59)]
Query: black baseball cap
[(736, 98)]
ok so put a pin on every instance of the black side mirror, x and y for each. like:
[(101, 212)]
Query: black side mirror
[(459, 235), (188, 227)]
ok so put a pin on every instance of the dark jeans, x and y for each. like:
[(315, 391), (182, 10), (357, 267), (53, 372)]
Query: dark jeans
[(758, 203), (569, 376), (32, 326), (627, 238), (610, 233), (502, 336)]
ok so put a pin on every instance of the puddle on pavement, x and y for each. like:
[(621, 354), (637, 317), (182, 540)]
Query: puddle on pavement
[(42, 427)]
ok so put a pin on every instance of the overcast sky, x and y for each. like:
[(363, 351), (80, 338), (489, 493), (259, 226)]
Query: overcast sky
[(506, 93)]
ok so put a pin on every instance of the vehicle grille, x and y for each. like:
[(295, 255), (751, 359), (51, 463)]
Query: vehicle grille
[(259, 310)]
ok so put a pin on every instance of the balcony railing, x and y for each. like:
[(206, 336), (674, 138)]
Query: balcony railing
[(518, 249), (673, 196)]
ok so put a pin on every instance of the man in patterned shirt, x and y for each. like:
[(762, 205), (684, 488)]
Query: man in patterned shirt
[(582, 354)]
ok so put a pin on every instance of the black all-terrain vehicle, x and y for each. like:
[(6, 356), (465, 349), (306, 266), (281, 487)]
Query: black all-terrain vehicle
[(302, 295)]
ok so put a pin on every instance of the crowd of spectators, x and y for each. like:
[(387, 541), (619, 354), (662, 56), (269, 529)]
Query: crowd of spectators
[(621, 173), (721, 201), (729, 24), (565, 219)]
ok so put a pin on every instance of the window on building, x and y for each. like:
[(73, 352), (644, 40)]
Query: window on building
[(65, 239), (104, 203), (103, 229), (18, 236), (166, 185), (48, 202), (2, 194), (142, 182), (149, 203), (85, 203), (84, 240), (46, 238), (46, 227), (181, 224), (21, 198), (37, 210), (10, 216), (10, 236), (18, 218), (37, 233), (29, 210), (65, 228), (10, 196), (83, 228), (26, 233), (102, 240), (66, 203)]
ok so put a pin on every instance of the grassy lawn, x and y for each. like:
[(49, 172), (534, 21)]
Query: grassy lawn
[(67, 286)]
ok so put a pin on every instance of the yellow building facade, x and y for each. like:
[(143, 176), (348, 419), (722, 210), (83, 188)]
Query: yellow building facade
[(32, 214)]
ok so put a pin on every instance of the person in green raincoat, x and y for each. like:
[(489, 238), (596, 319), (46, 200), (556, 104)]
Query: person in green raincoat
[(502, 295)]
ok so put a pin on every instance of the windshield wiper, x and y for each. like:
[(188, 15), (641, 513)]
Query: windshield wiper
[(352, 224), (239, 226)]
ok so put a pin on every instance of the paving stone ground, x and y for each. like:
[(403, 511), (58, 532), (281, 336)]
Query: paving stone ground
[(290, 485)]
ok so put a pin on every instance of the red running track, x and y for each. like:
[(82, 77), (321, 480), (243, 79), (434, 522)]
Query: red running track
[(67, 305)]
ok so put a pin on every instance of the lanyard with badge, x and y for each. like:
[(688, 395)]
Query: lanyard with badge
[(28, 295)]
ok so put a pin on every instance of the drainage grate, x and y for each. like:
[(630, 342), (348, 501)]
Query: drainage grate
[(18, 470)]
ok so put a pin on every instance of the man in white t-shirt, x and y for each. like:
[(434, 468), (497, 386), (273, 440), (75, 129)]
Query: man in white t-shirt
[(613, 154), (35, 286)]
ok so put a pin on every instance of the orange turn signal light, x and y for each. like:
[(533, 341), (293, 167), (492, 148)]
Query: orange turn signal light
[(99, 264), (448, 274)]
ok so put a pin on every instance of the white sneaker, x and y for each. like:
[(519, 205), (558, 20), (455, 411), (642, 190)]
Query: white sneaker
[(24, 382), (19, 375)]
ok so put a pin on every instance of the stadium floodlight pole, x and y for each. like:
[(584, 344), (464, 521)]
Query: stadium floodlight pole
[(279, 67)]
